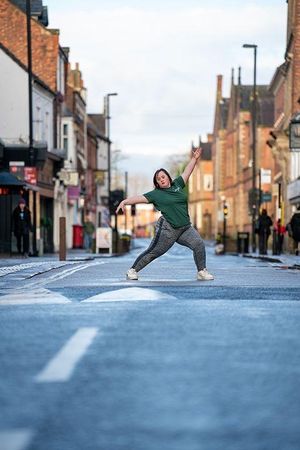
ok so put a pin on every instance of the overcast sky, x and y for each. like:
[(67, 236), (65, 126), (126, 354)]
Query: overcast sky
[(162, 57)]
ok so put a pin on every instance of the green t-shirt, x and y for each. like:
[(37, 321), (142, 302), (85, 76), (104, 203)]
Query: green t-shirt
[(172, 202)]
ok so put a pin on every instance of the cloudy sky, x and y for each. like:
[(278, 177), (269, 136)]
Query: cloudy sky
[(162, 57)]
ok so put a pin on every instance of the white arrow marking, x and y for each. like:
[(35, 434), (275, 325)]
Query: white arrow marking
[(129, 294), (62, 365), (37, 296), (17, 439)]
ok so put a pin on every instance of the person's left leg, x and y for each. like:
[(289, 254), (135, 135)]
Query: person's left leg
[(191, 238)]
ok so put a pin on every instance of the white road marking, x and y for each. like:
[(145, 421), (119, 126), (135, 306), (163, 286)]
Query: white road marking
[(17, 439), (63, 274), (129, 294), (35, 297), (62, 365)]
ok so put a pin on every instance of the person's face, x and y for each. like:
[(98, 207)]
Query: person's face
[(162, 180), (22, 206)]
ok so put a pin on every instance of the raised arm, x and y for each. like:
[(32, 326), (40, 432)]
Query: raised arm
[(191, 165), (131, 201)]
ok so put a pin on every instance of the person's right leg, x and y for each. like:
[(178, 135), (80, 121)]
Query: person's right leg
[(25, 244), (18, 237), (165, 237)]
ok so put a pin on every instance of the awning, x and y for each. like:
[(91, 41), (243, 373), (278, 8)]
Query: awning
[(9, 180)]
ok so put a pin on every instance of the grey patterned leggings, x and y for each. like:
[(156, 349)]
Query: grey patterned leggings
[(165, 237)]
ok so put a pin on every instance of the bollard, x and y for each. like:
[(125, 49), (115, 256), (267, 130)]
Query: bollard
[(62, 238)]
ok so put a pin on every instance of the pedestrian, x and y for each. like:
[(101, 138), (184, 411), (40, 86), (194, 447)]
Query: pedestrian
[(21, 219), (174, 225), (280, 232), (89, 230), (264, 231), (295, 226)]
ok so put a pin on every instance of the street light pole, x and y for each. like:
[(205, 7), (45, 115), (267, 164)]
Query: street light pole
[(254, 107), (109, 143)]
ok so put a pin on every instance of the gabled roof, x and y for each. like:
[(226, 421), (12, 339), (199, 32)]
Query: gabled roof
[(206, 151), (224, 108), (17, 61), (37, 9)]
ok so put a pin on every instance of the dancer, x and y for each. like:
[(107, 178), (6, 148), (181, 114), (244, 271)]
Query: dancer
[(174, 225)]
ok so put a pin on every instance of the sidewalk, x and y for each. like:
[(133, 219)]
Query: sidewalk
[(284, 260)]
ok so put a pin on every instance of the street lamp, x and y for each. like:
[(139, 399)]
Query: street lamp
[(254, 104), (109, 143)]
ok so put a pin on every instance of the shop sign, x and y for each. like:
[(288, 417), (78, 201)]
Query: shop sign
[(73, 192), (104, 238), (30, 175), (17, 169)]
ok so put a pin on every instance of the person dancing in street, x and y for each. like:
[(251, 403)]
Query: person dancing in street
[(174, 225)]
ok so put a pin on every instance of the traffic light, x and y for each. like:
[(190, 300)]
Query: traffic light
[(133, 210), (115, 198), (225, 210)]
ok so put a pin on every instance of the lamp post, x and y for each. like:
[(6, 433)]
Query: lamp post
[(109, 143), (254, 105)]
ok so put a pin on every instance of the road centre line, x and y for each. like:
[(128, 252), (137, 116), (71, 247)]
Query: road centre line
[(62, 365), (15, 439)]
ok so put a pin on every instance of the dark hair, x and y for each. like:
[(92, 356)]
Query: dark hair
[(155, 175)]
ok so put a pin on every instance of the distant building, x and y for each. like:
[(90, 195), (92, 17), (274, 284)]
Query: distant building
[(201, 191), (232, 155)]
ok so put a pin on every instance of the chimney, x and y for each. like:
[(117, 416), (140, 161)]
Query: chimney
[(219, 87)]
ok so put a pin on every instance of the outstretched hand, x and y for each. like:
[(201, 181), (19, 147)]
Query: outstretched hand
[(121, 207), (197, 153)]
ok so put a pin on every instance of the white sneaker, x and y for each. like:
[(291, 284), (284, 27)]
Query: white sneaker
[(203, 275), (132, 274)]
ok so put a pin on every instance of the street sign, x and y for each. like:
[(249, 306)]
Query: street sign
[(265, 176), (266, 197)]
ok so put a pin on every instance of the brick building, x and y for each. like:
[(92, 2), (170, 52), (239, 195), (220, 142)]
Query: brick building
[(200, 186), (232, 154), (285, 86)]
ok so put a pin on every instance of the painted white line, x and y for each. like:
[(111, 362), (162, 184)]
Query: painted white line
[(63, 274), (62, 365), (129, 294), (17, 439), (36, 297)]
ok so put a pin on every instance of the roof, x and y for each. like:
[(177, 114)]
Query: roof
[(37, 9), (99, 122), (265, 102), (206, 151), (224, 108), (265, 111), (17, 61)]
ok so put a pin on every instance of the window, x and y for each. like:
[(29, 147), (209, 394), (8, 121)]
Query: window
[(65, 137), (208, 182)]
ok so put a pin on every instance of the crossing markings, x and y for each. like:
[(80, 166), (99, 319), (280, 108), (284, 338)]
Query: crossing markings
[(15, 439), (129, 294), (34, 297), (62, 365)]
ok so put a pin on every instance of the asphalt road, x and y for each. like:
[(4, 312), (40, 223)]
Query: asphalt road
[(89, 361)]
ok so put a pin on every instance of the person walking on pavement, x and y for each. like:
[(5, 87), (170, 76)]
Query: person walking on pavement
[(295, 226), (174, 225), (280, 232), (264, 231), (21, 226), (89, 230)]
